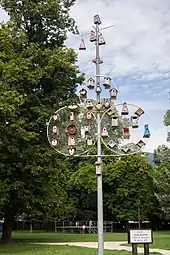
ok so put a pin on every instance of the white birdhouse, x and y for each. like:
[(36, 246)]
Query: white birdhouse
[(97, 19), (134, 120), (115, 121), (98, 106), (82, 45), (113, 93), (55, 116), (89, 141), (83, 93), (107, 103), (55, 130), (71, 141), (125, 109), (92, 36), (72, 117), (71, 151), (107, 82), (139, 112), (89, 104), (101, 40), (89, 115), (111, 144), (91, 83), (54, 142), (104, 132), (73, 107), (86, 129)]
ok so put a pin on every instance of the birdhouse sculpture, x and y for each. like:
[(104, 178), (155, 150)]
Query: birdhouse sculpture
[(55, 116), (134, 120), (71, 151), (98, 89), (54, 142), (146, 132), (71, 130), (89, 115), (111, 144), (107, 103), (113, 93), (82, 45), (115, 121), (91, 83), (89, 141), (125, 149), (98, 106), (71, 141), (125, 109), (101, 40), (73, 107), (83, 93), (107, 82), (72, 117), (92, 36), (140, 144), (89, 104), (110, 112), (55, 130), (86, 130), (126, 133), (139, 112), (104, 132), (97, 19)]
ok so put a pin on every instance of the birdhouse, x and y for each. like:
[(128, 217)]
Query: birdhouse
[(104, 132), (126, 133), (98, 106), (72, 117), (71, 130), (139, 112), (54, 142), (125, 109), (55, 130), (111, 144), (140, 144), (86, 129), (55, 116), (115, 121), (101, 40), (110, 112), (95, 61), (97, 19), (113, 93), (98, 88), (92, 36), (89, 115), (91, 83), (146, 132), (134, 120), (83, 93), (89, 104), (125, 149), (89, 141), (71, 151), (82, 45), (73, 107), (107, 82), (71, 140), (107, 103)]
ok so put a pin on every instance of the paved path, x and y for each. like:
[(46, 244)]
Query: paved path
[(110, 246)]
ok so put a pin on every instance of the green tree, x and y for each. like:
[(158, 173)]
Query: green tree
[(34, 81)]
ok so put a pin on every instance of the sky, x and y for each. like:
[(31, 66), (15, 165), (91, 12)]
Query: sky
[(136, 55)]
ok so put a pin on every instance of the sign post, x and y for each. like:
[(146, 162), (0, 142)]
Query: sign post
[(140, 236)]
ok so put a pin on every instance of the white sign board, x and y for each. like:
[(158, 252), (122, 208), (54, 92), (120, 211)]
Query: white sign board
[(140, 236)]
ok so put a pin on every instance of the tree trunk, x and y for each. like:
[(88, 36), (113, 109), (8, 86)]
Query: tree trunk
[(7, 228)]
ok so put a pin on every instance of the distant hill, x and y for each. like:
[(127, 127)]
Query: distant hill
[(151, 158)]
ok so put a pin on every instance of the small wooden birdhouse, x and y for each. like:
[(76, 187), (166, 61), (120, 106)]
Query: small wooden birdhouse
[(139, 112), (134, 120), (107, 103), (140, 144), (71, 151), (71, 130), (146, 132), (86, 130), (55, 116), (111, 144), (126, 133), (115, 121), (92, 36), (91, 83), (107, 82), (97, 19), (125, 109), (113, 93), (89, 104), (54, 142), (83, 93), (82, 45), (110, 112), (55, 130), (125, 149), (89, 141), (73, 107), (104, 132), (89, 115), (72, 117), (101, 40), (98, 106), (71, 141)]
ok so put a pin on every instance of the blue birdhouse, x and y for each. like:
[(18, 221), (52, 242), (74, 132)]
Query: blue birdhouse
[(146, 132)]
